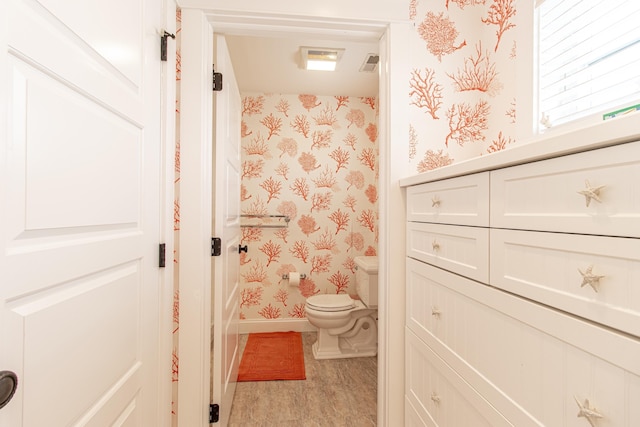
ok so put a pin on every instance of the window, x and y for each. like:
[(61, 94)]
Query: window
[(589, 58)]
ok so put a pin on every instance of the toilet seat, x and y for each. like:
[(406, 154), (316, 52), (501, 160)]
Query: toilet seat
[(331, 302)]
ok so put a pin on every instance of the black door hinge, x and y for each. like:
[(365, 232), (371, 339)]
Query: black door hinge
[(163, 45), (214, 413), (217, 81), (162, 256), (216, 246)]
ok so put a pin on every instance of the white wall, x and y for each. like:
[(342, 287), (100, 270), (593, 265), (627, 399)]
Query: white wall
[(377, 10)]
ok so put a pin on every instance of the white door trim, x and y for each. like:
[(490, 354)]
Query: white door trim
[(195, 269)]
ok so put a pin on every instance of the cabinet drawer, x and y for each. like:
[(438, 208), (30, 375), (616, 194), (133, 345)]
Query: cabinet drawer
[(463, 250), (592, 276), (519, 354), (461, 201), (439, 396), (555, 194)]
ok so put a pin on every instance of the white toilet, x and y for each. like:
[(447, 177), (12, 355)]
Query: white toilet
[(347, 327)]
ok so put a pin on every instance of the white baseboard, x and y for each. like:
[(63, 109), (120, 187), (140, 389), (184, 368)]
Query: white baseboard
[(275, 325)]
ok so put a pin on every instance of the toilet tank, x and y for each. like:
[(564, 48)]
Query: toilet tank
[(367, 280)]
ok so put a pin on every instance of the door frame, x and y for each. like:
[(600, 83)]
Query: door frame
[(195, 266)]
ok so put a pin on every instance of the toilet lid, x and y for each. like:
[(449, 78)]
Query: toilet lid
[(331, 302)]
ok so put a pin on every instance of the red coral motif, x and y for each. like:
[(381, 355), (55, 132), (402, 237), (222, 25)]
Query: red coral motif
[(300, 188), (372, 193), (370, 101), (355, 178), (350, 202), (283, 107), (342, 101), (272, 187), (273, 124), (440, 34), (350, 140), (467, 123), (301, 125), (367, 219), (425, 92), (321, 139), (433, 160), (252, 169), (371, 251), (368, 158), (320, 263), (479, 74), (250, 234), (326, 179), (282, 169), (308, 224), (250, 296), (256, 274), (282, 233), (298, 311), (252, 105), (270, 312), (307, 287), (325, 241), (355, 240), (300, 250), (271, 250), (257, 147), (320, 201), (341, 158), (281, 296), (308, 162), (372, 132), (340, 281), (288, 209), (309, 101), (500, 12), (341, 219), (355, 117), (499, 144), (326, 117), (289, 146)]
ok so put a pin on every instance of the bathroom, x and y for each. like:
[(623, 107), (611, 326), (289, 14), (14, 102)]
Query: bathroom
[(309, 195)]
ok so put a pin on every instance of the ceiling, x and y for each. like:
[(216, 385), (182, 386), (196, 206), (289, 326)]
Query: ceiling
[(268, 64)]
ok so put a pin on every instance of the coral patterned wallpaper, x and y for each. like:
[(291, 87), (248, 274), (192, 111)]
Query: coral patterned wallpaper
[(313, 159), (462, 83)]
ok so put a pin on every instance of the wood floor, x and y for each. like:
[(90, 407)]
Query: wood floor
[(339, 392)]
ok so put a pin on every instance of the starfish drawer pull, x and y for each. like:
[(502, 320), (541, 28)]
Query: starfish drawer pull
[(588, 278), (435, 202), (435, 246), (591, 193), (435, 311), (587, 412), (435, 398)]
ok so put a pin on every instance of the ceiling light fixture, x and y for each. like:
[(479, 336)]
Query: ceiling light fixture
[(323, 59)]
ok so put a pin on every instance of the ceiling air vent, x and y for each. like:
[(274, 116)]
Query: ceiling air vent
[(370, 63)]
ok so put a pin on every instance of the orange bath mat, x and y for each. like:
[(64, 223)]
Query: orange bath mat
[(272, 356)]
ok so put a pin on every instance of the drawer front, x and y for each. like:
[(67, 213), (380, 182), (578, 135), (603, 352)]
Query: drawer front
[(595, 192), (545, 361), (463, 250), (592, 276), (438, 396), (460, 201)]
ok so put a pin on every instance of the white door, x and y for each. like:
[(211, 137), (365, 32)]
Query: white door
[(79, 211), (226, 225)]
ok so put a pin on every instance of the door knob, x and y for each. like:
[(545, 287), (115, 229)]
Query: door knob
[(8, 386), (242, 249)]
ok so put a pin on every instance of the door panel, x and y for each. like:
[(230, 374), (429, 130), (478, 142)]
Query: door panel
[(226, 223), (79, 224)]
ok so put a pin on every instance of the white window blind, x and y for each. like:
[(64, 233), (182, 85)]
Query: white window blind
[(589, 57)]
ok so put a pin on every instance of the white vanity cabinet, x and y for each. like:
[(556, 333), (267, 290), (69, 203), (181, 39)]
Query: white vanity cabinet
[(523, 294)]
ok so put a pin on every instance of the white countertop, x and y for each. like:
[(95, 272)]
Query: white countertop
[(610, 132)]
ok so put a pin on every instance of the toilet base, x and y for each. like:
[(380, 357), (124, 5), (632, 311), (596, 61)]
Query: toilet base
[(359, 342)]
